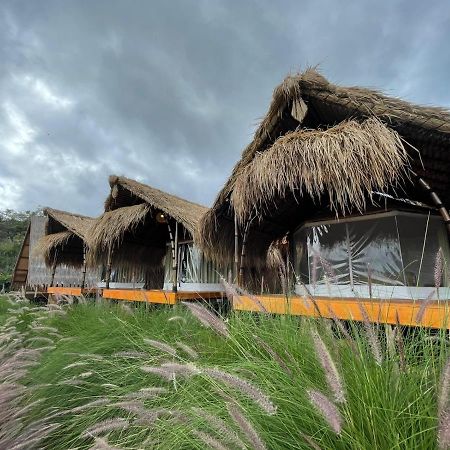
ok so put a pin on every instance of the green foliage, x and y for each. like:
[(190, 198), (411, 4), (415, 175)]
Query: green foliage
[(101, 348), (13, 226)]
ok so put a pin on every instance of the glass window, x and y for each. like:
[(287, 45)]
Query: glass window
[(193, 267), (395, 250)]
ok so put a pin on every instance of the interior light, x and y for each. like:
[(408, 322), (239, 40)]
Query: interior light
[(161, 217)]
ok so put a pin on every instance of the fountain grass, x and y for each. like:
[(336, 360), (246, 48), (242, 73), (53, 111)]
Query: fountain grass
[(94, 369)]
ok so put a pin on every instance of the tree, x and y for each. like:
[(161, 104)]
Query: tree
[(13, 226)]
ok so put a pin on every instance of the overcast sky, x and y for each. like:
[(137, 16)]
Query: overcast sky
[(170, 92)]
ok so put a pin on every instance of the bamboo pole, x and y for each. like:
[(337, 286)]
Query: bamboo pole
[(436, 200), (236, 250), (175, 268), (243, 248), (108, 267), (83, 278), (174, 256), (53, 272)]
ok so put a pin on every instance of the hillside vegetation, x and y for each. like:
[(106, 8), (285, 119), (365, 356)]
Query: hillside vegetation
[(13, 226)]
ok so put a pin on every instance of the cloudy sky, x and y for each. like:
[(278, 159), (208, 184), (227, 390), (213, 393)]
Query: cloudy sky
[(169, 92)]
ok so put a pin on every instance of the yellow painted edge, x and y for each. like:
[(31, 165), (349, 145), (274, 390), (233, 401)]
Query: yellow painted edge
[(436, 314), (137, 295), (64, 290), (156, 296)]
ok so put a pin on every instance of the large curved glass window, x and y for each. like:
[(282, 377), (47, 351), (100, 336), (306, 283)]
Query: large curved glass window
[(391, 249)]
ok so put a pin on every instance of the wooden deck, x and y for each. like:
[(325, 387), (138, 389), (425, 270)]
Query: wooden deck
[(156, 296), (436, 314)]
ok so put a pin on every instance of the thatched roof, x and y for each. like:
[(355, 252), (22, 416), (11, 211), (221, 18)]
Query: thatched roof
[(126, 192), (129, 226), (65, 236), (322, 144)]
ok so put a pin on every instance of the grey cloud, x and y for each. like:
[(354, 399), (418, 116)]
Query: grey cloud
[(170, 92)]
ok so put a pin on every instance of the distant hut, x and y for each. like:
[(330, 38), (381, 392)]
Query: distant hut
[(151, 232), (63, 247), (355, 182)]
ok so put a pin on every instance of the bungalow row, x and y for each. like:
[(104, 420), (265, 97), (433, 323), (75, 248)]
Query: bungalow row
[(336, 208)]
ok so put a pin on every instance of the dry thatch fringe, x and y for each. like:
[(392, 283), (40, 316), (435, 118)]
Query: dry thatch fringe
[(273, 354), (328, 410), (188, 350), (246, 427), (244, 387), (331, 373), (424, 305), (208, 319), (183, 211), (220, 426), (50, 245), (161, 346), (374, 343), (110, 228), (105, 426), (315, 162)]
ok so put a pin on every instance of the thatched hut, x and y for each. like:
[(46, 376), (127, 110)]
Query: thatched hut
[(354, 180), (64, 246), (152, 231), (52, 254)]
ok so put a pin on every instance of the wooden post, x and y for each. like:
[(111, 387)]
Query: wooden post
[(244, 244), (108, 267), (174, 256), (288, 272), (83, 278), (436, 200), (53, 272), (175, 267), (236, 250)]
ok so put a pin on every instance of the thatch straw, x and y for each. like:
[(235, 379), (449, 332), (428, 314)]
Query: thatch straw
[(347, 162), (49, 245), (65, 236), (310, 101), (125, 191), (110, 228), (128, 208)]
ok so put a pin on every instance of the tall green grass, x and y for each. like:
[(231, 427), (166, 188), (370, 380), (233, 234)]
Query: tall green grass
[(253, 381)]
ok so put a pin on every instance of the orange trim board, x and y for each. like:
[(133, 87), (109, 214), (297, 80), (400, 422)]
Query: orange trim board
[(435, 315), (77, 291), (156, 296)]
